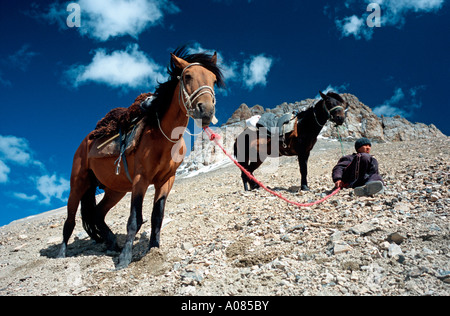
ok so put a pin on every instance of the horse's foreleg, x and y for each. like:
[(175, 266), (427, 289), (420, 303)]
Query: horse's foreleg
[(303, 163), (161, 195), (252, 168), (110, 199), (134, 221)]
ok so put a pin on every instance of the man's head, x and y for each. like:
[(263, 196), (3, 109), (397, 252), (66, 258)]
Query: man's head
[(363, 145)]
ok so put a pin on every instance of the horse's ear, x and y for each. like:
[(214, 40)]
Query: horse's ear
[(179, 62), (214, 58), (324, 97)]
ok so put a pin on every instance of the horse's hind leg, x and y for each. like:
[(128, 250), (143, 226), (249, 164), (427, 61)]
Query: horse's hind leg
[(79, 187), (110, 199)]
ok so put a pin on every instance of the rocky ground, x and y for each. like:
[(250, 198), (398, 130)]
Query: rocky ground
[(220, 240)]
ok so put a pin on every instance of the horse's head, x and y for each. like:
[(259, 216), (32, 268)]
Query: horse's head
[(197, 81), (335, 106)]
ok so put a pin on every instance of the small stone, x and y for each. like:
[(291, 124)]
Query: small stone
[(192, 276), (396, 238), (277, 264), (18, 248), (394, 250), (187, 246), (341, 247), (434, 198), (354, 276), (363, 228)]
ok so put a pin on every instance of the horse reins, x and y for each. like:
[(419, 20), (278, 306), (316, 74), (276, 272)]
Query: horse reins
[(214, 138)]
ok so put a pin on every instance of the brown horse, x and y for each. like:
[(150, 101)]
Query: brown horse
[(160, 151), (299, 142)]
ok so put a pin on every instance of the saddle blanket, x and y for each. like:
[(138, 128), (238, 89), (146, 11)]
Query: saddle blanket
[(107, 146), (282, 125)]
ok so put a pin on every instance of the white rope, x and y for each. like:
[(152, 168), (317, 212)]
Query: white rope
[(162, 132)]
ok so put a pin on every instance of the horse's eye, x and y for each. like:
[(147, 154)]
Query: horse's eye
[(188, 77)]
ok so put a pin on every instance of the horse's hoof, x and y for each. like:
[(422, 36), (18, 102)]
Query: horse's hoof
[(123, 263), (305, 188), (62, 252), (124, 260)]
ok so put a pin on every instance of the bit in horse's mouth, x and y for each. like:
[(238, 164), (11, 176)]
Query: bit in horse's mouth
[(205, 122)]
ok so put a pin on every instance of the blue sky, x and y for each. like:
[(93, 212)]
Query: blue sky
[(57, 79)]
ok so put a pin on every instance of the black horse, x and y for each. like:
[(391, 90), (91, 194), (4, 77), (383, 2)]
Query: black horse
[(299, 142)]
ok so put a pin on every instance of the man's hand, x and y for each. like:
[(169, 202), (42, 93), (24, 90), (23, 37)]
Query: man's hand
[(339, 184)]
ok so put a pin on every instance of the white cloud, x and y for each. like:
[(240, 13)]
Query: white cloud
[(251, 73), (393, 13), (105, 19), (25, 197), (388, 110), (4, 171), (16, 151), (255, 73), (336, 89), (52, 187), (401, 103), (354, 26), (129, 68)]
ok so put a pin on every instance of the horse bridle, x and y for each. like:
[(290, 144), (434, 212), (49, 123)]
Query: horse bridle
[(329, 112), (186, 99)]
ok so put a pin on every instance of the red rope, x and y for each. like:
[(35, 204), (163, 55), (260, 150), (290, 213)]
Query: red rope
[(214, 137)]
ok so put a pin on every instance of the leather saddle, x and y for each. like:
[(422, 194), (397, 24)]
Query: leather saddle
[(119, 144)]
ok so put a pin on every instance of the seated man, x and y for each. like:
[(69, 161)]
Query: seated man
[(359, 171)]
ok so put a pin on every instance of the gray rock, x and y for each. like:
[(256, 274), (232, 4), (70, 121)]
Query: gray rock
[(341, 247), (394, 250), (363, 228)]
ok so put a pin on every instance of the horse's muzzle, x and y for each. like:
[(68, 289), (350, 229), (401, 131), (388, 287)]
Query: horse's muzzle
[(339, 120), (206, 113)]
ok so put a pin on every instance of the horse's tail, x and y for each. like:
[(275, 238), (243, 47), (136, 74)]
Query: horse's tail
[(89, 209)]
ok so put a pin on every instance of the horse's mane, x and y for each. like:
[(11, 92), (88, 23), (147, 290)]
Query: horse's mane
[(335, 96), (164, 92)]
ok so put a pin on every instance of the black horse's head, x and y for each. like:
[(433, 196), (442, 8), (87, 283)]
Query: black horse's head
[(335, 106)]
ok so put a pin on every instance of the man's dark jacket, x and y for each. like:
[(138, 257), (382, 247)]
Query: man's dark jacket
[(356, 170)]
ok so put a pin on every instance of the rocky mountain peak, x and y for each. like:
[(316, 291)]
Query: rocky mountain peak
[(360, 122)]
